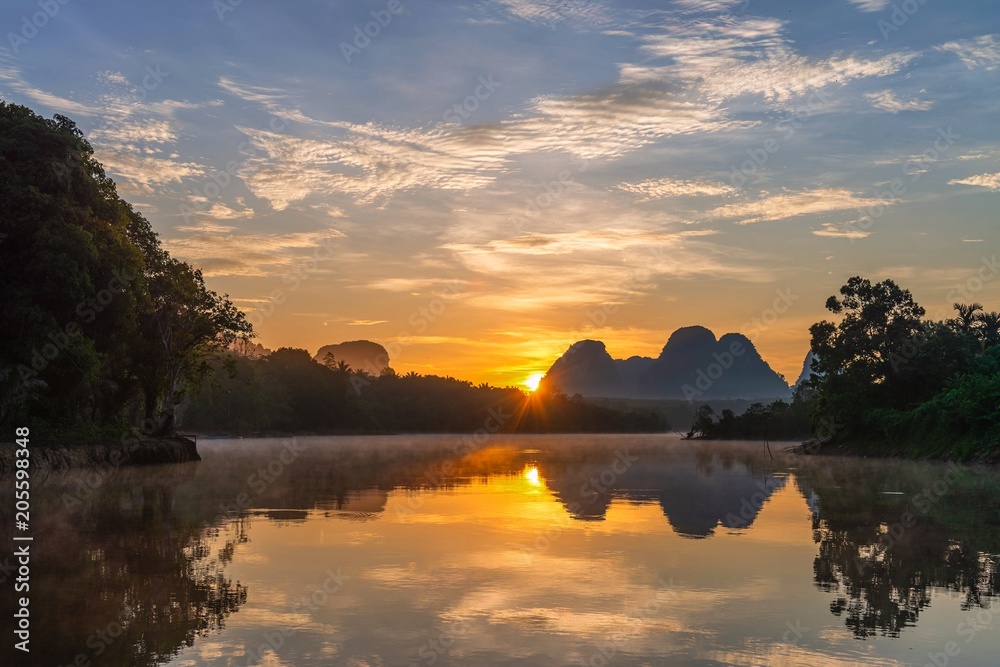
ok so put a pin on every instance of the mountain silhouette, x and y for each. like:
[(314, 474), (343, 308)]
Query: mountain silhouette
[(693, 365), (360, 355), (807, 371)]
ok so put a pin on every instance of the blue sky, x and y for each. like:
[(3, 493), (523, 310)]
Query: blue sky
[(614, 170)]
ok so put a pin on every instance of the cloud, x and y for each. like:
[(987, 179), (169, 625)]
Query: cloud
[(886, 100), (781, 207), (221, 250), (710, 5), (659, 188), (732, 56), (981, 51), (590, 267), (578, 13), (991, 181), (134, 139), (365, 323), (372, 161), (871, 5), (413, 285), (11, 79), (842, 230)]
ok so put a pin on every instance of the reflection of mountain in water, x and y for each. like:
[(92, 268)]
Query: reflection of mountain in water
[(694, 501), (153, 544)]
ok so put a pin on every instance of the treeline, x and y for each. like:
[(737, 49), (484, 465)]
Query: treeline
[(887, 381), (892, 382), (287, 391), (102, 329), (779, 420)]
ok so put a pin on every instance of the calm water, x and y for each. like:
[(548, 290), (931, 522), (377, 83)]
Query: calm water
[(532, 550)]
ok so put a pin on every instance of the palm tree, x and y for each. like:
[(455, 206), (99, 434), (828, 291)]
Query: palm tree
[(967, 317), (991, 327)]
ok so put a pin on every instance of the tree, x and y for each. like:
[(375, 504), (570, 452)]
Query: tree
[(190, 325), (704, 420), (968, 315), (990, 327), (863, 357)]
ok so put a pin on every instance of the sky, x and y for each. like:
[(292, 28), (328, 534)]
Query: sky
[(477, 185)]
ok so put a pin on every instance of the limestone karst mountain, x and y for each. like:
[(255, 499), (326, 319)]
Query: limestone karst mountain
[(360, 355), (693, 365)]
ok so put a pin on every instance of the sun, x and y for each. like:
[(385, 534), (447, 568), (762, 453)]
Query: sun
[(533, 380), (531, 474)]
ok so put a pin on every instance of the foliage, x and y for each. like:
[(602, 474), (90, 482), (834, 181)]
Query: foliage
[(102, 326), (901, 384), (778, 421), (287, 391)]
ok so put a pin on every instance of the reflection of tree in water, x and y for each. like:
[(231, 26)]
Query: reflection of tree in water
[(122, 578), (882, 556)]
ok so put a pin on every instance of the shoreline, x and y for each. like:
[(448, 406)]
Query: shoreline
[(151, 451)]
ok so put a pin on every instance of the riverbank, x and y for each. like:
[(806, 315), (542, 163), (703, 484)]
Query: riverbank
[(957, 450), (130, 452)]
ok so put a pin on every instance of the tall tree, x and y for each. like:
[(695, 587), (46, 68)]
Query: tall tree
[(863, 357)]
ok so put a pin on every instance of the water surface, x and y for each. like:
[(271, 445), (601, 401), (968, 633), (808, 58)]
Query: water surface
[(526, 550)]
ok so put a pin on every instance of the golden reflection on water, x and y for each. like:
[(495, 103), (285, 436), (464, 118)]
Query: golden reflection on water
[(566, 551)]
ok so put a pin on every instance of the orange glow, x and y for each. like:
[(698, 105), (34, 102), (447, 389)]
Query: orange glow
[(533, 381), (531, 474)]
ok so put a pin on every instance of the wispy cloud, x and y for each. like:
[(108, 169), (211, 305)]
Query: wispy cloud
[(222, 250), (371, 162), (734, 56), (983, 51), (871, 5), (591, 267), (659, 188), (886, 100), (781, 207), (991, 181), (842, 230)]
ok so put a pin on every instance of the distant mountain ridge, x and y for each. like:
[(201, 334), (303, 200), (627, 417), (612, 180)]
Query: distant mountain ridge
[(360, 355), (693, 365)]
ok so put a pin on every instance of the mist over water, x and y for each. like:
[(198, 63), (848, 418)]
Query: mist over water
[(533, 550)]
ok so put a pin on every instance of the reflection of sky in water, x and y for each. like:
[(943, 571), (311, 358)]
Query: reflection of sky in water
[(496, 570)]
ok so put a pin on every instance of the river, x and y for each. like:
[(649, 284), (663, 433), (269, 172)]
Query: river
[(513, 550)]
